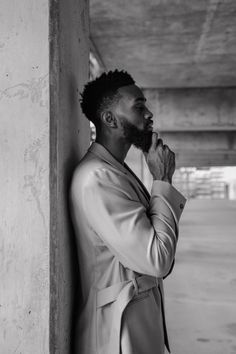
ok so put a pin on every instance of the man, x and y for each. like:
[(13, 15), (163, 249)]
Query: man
[(126, 238)]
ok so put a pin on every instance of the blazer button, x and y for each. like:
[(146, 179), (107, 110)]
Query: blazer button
[(181, 206)]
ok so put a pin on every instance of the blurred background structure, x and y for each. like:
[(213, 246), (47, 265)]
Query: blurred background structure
[(183, 55)]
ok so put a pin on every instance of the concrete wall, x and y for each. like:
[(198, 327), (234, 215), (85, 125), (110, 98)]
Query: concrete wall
[(70, 136), (42, 137), (24, 175)]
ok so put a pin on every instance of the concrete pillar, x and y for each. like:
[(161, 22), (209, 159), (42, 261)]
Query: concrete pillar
[(42, 137), (70, 136)]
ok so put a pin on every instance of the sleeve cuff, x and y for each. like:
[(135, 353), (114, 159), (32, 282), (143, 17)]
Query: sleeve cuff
[(172, 197)]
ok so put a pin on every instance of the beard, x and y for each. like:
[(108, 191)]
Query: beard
[(141, 139)]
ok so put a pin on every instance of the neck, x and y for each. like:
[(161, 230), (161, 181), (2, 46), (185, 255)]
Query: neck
[(117, 147)]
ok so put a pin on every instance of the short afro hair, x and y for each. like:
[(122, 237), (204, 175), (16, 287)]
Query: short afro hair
[(101, 92)]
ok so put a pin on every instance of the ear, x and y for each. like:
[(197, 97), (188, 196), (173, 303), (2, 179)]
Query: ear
[(109, 119)]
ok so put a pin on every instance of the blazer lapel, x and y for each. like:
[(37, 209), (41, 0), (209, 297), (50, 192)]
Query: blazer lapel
[(143, 188)]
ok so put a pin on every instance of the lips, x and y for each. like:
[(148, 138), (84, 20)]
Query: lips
[(149, 125)]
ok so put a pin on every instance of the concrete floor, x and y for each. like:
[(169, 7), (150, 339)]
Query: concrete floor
[(201, 292)]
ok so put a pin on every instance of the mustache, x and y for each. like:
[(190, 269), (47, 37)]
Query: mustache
[(148, 123)]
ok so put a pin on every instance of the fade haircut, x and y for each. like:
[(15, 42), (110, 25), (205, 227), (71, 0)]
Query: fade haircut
[(100, 93)]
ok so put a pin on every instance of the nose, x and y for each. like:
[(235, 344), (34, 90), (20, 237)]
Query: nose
[(148, 114)]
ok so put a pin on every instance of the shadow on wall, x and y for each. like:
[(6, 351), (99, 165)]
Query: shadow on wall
[(78, 137), (70, 137), (76, 293)]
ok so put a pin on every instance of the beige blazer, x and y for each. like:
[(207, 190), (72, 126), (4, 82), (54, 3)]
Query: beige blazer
[(126, 244)]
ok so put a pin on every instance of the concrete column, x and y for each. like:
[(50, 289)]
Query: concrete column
[(42, 137), (70, 136)]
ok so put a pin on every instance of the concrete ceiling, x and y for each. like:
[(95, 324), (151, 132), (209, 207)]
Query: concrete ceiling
[(168, 43)]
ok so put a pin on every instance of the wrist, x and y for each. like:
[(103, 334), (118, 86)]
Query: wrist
[(164, 179), (167, 179)]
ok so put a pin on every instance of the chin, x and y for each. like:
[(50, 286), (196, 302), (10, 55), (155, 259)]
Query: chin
[(145, 142)]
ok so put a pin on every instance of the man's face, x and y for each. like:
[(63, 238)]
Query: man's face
[(134, 117)]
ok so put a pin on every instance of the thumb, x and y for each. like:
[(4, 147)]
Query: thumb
[(154, 140)]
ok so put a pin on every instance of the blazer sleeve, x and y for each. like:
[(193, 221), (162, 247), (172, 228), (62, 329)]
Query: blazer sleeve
[(143, 240)]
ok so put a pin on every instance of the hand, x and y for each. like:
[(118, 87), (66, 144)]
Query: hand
[(160, 160)]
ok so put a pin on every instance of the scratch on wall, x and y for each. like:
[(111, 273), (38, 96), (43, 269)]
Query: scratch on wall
[(36, 89), (34, 181)]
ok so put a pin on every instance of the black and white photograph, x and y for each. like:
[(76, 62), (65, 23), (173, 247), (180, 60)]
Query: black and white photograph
[(118, 177)]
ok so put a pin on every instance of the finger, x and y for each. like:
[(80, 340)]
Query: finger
[(171, 152), (174, 163), (173, 158), (160, 143), (166, 147), (154, 140)]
